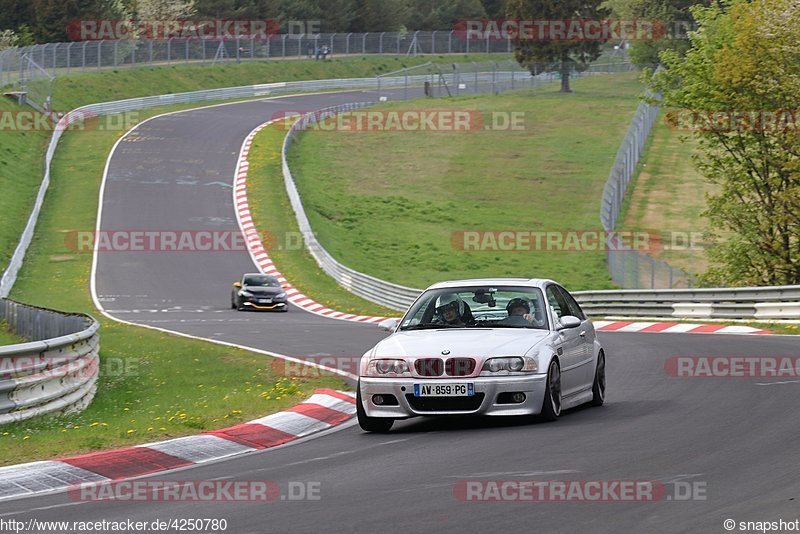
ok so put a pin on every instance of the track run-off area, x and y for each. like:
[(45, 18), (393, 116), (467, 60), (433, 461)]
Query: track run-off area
[(720, 448)]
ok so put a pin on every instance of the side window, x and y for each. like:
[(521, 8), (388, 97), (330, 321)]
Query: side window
[(556, 302), (572, 305)]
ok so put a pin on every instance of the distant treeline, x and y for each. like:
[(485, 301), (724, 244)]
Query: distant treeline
[(43, 21)]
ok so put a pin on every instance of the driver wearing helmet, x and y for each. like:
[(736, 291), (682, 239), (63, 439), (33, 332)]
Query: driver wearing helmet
[(519, 312), (450, 310)]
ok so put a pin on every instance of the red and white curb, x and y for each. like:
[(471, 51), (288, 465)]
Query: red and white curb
[(326, 408), (259, 253), (675, 328)]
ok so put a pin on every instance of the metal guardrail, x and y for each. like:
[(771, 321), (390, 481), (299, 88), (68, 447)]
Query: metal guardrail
[(56, 371), (381, 292), (133, 104), (757, 303), (373, 289)]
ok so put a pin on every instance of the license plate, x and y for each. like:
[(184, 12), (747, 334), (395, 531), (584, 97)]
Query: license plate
[(265, 301), (444, 390)]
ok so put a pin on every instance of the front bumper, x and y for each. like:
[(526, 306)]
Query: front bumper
[(276, 305), (533, 386)]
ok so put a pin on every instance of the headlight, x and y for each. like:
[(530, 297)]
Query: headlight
[(513, 364), (387, 367), (280, 295), (244, 293)]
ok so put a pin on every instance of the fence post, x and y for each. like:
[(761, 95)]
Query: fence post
[(450, 42), (169, 51), (83, 56), (364, 43), (116, 49), (186, 42), (347, 43), (150, 48), (380, 43), (433, 42), (99, 54)]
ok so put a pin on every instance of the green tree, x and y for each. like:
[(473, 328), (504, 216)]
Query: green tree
[(52, 17), (495, 9), (8, 39), (380, 15), (744, 64), (562, 55), (677, 20), (15, 13), (443, 14)]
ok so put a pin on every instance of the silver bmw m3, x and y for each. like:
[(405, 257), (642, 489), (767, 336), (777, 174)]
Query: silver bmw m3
[(502, 346)]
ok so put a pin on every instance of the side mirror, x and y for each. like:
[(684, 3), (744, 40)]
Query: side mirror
[(389, 324), (237, 284), (569, 321)]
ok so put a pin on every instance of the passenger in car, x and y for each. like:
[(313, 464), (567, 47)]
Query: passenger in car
[(519, 313)]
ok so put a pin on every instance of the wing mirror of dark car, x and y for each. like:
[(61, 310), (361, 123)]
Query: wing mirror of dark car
[(237, 284), (389, 324), (569, 321)]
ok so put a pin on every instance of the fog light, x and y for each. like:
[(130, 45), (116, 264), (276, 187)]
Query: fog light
[(518, 397), (378, 399)]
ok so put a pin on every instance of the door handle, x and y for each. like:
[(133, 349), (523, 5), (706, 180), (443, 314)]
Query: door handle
[(583, 333)]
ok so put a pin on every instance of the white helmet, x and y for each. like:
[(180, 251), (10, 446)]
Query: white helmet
[(450, 299)]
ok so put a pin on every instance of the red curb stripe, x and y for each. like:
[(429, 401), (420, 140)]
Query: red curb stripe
[(615, 326), (254, 435), (126, 463), (707, 328), (658, 327), (321, 413), (334, 393)]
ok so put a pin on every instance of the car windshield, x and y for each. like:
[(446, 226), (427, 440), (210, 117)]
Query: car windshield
[(261, 281), (483, 307)]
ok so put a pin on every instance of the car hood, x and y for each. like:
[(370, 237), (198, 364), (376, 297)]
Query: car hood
[(480, 342), (260, 290)]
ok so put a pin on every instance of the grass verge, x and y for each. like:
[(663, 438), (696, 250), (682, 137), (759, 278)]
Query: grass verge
[(152, 385), (667, 198), (22, 146), (80, 89), (7, 337), (271, 211), (391, 204)]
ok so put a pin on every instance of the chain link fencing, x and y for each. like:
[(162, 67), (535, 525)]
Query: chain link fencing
[(632, 269)]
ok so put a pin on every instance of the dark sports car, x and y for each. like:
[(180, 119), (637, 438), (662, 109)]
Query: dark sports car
[(259, 292)]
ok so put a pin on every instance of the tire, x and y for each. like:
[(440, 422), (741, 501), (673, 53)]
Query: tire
[(599, 385), (551, 407), (233, 304), (371, 424)]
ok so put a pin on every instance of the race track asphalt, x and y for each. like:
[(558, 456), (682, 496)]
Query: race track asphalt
[(734, 441)]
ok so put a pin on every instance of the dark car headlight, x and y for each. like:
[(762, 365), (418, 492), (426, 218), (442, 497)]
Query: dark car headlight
[(509, 364)]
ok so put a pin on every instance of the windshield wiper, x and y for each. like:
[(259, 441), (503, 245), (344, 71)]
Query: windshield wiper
[(427, 326)]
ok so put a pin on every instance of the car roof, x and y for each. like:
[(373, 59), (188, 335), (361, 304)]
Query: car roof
[(524, 282)]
